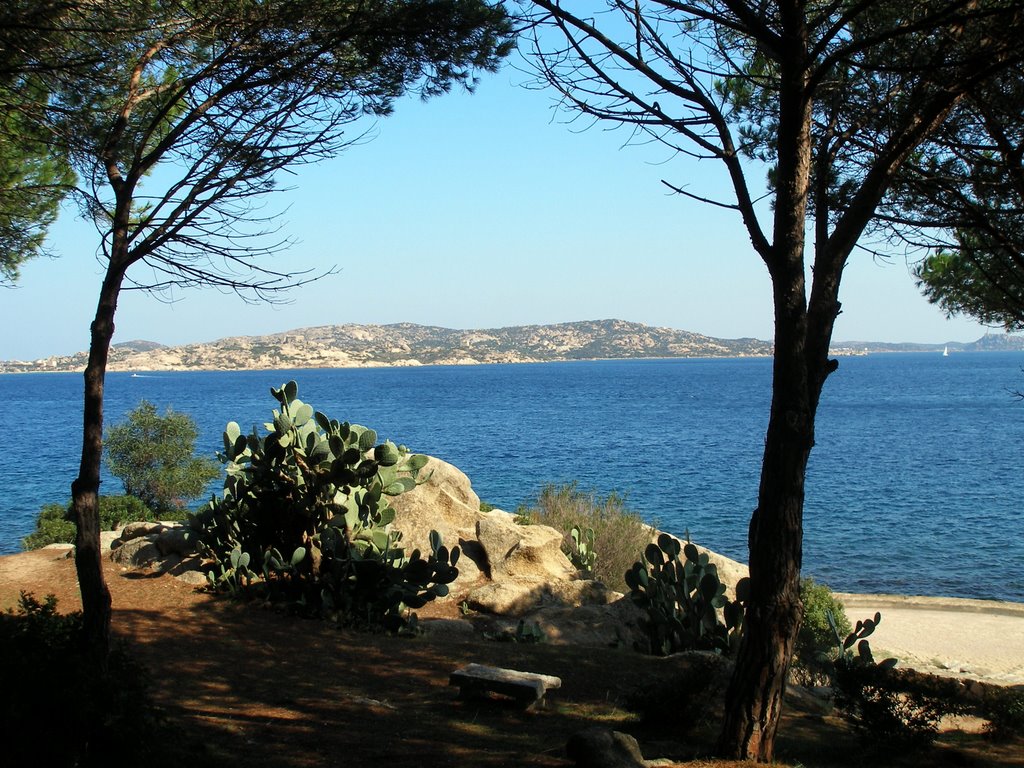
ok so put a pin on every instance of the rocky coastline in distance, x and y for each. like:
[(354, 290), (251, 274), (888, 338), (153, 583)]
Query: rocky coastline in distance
[(408, 344)]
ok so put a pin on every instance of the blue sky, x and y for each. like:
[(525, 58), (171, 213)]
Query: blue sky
[(478, 211)]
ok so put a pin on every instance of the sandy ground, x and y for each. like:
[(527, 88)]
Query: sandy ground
[(981, 639)]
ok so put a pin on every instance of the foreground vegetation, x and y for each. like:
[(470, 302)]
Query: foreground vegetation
[(55, 523), (304, 521), (62, 710)]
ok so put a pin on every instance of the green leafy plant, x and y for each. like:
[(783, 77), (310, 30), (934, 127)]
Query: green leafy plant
[(583, 554), (154, 457), (55, 522), (318, 489), (523, 633), (620, 535), (681, 599), (529, 633), (813, 661)]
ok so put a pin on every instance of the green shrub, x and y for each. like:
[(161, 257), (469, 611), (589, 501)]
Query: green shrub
[(813, 660), (55, 523), (620, 535), (1004, 710), (317, 490), (53, 526), (894, 710), (154, 457), (59, 709)]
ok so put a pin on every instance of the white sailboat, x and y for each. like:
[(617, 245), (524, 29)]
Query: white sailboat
[(945, 352)]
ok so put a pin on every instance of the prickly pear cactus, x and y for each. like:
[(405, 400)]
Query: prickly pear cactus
[(319, 489), (682, 599)]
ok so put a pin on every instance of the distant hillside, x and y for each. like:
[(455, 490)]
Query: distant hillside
[(137, 346), (407, 344), (990, 342)]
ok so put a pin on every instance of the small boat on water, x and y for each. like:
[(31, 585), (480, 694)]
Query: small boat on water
[(945, 352)]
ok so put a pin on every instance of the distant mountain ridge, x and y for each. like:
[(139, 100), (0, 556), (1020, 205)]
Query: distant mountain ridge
[(408, 344)]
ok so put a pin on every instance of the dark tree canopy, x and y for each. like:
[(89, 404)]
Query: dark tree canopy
[(34, 174), (818, 114), (984, 281), (963, 199)]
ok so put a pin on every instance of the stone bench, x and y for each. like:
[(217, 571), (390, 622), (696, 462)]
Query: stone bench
[(528, 688)]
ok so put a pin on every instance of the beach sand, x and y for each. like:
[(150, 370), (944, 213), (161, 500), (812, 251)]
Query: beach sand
[(980, 639)]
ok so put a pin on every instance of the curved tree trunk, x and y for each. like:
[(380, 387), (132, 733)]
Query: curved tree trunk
[(96, 605)]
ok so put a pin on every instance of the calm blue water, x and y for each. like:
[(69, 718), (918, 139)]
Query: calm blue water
[(914, 487)]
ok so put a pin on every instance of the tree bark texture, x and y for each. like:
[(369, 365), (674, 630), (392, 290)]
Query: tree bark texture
[(96, 603), (774, 610)]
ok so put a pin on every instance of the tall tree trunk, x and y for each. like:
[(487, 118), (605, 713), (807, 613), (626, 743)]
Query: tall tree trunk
[(774, 611), (754, 698), (96, 604)]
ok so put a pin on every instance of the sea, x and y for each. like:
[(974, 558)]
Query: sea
[(914, 485)]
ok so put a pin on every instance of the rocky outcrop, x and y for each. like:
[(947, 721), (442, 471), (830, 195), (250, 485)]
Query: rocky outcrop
[(167, 547), (508, 573), (408, 344), (603, 748), (445, 502), (532, 552)]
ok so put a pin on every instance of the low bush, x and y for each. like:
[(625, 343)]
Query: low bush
[(813, 660), (896, 711), (154, 457), (620, 535), (55, 523), (59, 709), (1004, 710), (892, 711)]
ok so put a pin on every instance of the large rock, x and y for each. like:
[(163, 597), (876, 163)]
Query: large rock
[(445, 503), (178, 540), (603, 748), (527, 552), (136, 552), (516, 596), (606, 625), (509, 597), (139, 529)]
